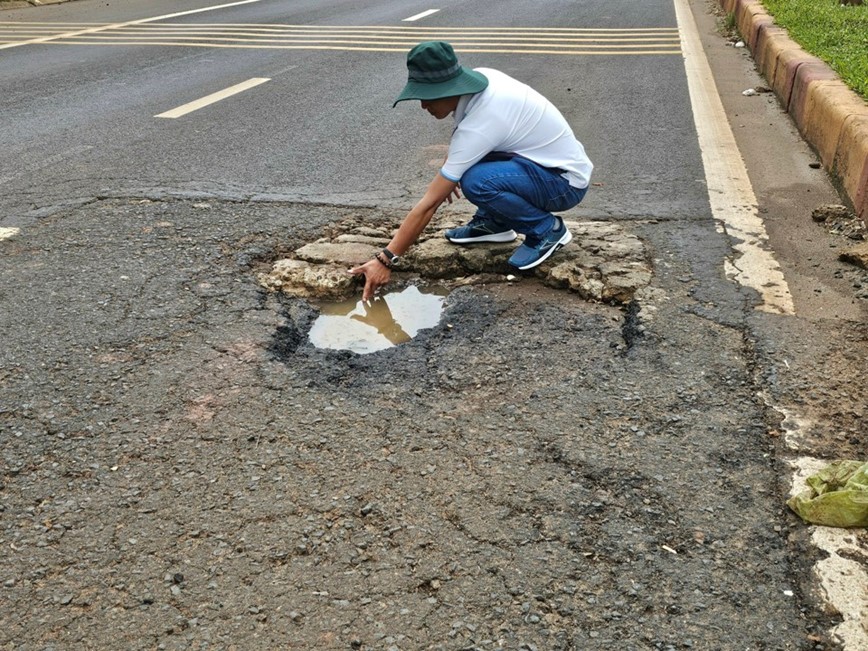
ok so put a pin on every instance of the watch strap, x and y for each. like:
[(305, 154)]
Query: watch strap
[(383, 260)]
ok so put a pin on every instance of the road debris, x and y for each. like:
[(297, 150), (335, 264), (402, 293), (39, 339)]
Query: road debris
[(837, 497)]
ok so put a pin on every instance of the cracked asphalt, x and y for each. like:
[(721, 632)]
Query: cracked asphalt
[(182, 469)]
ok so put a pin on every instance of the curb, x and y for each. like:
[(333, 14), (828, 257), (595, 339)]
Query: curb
[(832, 118)]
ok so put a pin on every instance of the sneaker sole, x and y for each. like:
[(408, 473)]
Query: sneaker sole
[(566, 239), (506, 236)]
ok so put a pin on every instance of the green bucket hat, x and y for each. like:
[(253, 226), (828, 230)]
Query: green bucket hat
[(434, 72)]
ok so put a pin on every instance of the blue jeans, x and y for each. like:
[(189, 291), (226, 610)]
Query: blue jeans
[(518, 193)]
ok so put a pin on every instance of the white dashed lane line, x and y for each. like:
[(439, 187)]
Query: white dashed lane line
[(424, 14), (212, 98)]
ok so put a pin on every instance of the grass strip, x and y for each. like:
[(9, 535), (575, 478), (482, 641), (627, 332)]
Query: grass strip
[(836, 33)]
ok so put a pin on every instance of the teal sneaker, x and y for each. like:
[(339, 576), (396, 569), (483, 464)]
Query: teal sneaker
[(534, 252), (480, 229)]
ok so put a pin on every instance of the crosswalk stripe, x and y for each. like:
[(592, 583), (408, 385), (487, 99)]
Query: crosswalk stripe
[(401, 39), (544, 40), (303, 29), (403, 43), (370, 49), (414, 29)]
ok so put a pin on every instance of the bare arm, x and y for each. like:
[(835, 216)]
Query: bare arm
[(376, 274), (439, 190)]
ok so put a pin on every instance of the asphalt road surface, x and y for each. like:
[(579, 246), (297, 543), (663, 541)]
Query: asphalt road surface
[(322, 127), (182, 469)]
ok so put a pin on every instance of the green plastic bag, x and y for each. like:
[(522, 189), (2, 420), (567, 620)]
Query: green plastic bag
[(838, 496)]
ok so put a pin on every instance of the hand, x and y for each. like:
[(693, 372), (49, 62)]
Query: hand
[(376, 275), (454, 195)]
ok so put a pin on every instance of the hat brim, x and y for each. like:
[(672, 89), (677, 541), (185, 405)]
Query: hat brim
[(467, 82)]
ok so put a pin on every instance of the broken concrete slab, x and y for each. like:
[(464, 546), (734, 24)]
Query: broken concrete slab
[(604, 262), (331, 253), (857, 255), (305, 280), (378, 241)]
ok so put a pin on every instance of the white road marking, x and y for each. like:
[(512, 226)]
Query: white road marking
[(295, 34), (350, 40), (378, 49), (93, 30), (729, 189), (841, 578), (380, 28), (212, 98), (420, 16), (389, 38), (6, 233)]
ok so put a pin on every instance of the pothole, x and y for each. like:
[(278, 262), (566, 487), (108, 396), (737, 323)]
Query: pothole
[(604, 263), (388, 320)]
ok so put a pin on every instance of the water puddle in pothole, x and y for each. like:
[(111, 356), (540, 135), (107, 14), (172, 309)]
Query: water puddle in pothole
[(386, 321)]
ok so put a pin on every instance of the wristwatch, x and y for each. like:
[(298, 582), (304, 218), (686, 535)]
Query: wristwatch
[(391, 257)]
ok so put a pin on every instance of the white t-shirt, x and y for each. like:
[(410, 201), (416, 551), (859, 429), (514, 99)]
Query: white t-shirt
[(511, 117)]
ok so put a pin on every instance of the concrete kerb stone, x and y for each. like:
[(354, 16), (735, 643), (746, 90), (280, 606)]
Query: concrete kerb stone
[(749, 15), (785, 65), (827, 105), (604, 263), (760, 24), (807, 73), (800, 80), (764, 49), (851, 161)]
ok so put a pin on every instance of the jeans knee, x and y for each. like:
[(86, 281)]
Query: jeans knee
[(470, 184), (473, 185)]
